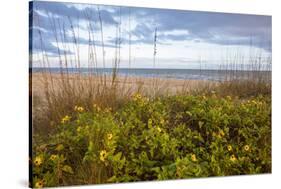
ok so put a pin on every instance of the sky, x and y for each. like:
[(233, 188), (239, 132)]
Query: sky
[(184, 39)]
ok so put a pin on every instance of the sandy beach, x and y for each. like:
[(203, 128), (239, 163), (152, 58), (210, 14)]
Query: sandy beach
[(130, 83)]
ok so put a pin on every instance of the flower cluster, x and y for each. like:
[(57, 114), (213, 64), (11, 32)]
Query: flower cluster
[(65, 119), (137, 97)]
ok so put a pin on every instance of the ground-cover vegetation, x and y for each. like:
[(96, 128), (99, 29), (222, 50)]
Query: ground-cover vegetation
[(182, 136)]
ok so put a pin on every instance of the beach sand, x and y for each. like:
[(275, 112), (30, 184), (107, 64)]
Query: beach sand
[(130, 84)]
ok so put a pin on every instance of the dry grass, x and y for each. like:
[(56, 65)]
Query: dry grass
[(55, 95), (244, 88)]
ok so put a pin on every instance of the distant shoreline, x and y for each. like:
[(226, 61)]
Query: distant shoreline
[(181, 74)]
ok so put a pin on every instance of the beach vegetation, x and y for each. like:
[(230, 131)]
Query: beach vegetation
[(164, 138)]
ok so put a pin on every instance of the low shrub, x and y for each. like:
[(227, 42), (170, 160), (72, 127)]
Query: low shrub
[(164, 138)]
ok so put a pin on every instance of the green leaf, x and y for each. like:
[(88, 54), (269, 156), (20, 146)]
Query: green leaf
[(117, 156), (67, 169), (200, 123)]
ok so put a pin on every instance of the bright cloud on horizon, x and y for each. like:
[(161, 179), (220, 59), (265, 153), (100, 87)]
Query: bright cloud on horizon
[(183, 37)]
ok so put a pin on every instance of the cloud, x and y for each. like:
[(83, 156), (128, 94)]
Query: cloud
[(233, 28), (69, 10), (37, 43), (58, 20), (172, 25)]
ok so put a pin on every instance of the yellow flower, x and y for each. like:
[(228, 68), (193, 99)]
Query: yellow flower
[(60, 147), (137, 97), (39, 184), (38, 161), (103, 155), (233, 158), (109, 136), (246, 147), (228, 97), (65, 119), (78, 129), (229, 148), (162, 121), (159, 129), (53, 157), (79, 108), (193, 157)]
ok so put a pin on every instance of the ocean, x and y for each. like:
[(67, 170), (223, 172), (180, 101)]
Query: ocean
[(186, 74)]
